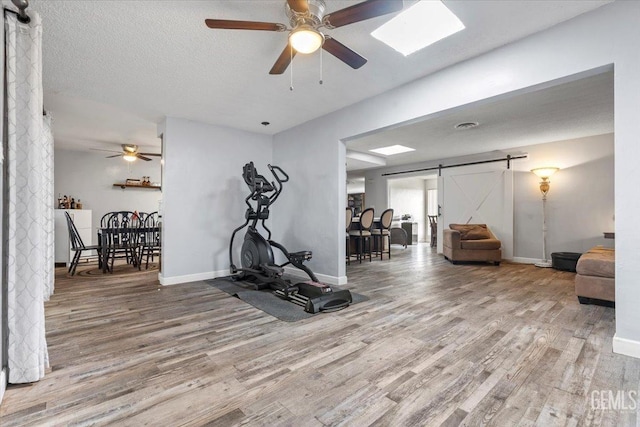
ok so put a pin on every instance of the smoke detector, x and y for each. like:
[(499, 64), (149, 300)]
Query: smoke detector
[(466, 125)]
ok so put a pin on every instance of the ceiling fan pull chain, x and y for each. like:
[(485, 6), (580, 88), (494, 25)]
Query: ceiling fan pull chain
[(291, 53), (320, 66)]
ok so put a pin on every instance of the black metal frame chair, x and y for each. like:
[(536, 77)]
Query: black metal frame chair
[(149, 239), (122, 237), (78, 246)]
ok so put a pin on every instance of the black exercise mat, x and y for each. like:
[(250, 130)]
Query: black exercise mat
[(268, 302)]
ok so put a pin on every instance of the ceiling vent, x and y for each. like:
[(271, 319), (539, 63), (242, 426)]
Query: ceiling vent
[(466, 125)]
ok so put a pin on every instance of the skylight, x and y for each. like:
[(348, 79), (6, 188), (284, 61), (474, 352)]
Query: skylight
[(392, 149), (419, 26)]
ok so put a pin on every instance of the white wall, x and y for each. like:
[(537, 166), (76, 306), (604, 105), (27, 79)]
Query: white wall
[(306, 214), (431, 184), (89, 176), (408, 196), (204, 195), (580, 203), (608, 35), (355, 185)]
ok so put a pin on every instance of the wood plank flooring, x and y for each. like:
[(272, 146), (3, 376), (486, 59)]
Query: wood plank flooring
[(436, 345)]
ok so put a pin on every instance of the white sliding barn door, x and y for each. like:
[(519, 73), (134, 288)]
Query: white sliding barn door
[(478, 194)]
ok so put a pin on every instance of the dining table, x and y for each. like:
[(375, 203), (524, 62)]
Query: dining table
[(135, 233)]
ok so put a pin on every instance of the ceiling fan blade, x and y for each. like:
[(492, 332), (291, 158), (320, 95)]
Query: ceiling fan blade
[(343, 53), (283, 60), (226, 24), (300, 6), (141, 157), (361, 11), (108, 151), (151, 154), (115, 155)]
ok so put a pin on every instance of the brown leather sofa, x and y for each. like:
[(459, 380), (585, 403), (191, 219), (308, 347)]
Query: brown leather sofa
[(471, 242), (595, 279)]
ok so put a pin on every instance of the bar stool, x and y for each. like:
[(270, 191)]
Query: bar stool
[(348, 221), (363, 235), (384, 230)]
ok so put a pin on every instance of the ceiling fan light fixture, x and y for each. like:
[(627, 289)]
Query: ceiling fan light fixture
[(306, 39), (129, 157)]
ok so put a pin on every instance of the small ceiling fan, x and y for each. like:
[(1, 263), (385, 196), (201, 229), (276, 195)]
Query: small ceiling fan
[(306, 18), (130, 153)]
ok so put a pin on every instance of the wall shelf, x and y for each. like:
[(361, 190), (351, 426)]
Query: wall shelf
[(356, 202), (123, 186)]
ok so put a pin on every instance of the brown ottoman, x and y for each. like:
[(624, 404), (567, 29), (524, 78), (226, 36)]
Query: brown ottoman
[(595, 278)]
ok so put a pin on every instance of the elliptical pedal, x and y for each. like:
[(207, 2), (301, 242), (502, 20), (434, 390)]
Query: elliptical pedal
[(316, 297), (293, 297), (272, 270)]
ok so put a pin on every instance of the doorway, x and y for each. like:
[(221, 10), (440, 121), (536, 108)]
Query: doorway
[(409, 198)]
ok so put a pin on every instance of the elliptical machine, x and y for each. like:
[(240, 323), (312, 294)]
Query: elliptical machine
[(257, 259)]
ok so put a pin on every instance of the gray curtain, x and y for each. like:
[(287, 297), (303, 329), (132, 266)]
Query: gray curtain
[(28, 202)]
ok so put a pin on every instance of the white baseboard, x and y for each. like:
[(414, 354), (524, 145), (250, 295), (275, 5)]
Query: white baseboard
[(3, 383), (626, 346), (175, 280), (331, 280), (521, 260)]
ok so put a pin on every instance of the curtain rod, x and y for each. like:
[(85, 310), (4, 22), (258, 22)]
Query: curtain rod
[(479, 162), (22, 5)]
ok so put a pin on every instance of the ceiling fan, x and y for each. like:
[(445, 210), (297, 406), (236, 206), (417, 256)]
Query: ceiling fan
[(130, 153), (306, 18)]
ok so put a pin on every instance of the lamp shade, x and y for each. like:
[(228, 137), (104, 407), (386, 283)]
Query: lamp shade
[(129, 157), (305, 39), (545, 173)]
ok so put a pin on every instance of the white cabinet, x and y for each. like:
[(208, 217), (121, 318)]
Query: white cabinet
[(82, 220)]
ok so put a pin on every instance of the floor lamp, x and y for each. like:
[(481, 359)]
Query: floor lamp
[(544, 174)]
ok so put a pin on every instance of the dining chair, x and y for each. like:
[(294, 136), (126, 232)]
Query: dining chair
[(150, 239), (363, 235), (384, 231), (78, 246), (143, 215), (104, 221), (433, 227), (122, 237), (348, 222)]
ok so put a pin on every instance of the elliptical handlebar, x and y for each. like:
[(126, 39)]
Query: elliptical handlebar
[(259, 185), (274, 171)]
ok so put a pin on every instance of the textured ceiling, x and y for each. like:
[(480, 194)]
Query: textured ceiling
[(571, 110), (104, 60)]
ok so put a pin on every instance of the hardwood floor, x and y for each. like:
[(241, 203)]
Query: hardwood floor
[(436, 344)]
